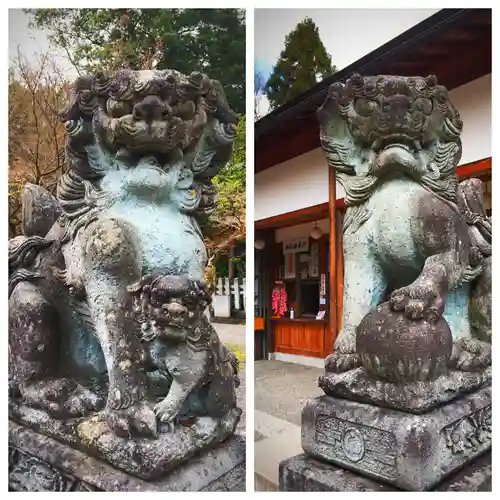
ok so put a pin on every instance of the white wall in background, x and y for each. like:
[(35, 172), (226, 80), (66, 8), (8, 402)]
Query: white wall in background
[(303, 181)]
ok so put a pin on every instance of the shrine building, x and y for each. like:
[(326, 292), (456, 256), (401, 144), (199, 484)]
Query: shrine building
[(299, 206)]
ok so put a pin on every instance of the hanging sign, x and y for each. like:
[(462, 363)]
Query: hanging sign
[(296, 246), (322, 286), (289, 266), (314, 261)]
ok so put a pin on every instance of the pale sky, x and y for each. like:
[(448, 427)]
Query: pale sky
[(347, 34), (33, 43)]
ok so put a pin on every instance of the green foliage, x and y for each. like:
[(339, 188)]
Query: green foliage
[(232, 179), (237, 350), (235, 172), (226, 226), (207, 40), (302, 64), (239, 264)]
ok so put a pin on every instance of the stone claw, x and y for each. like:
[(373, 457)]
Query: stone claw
[(170, 426), (346, 343), (399, 301), (165, 415), (418, 302), (137, 419), (119, 424), (63, 398), (470, 355), (339, 363)]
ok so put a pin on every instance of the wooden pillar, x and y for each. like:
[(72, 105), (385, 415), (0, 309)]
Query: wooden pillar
[(332, 285), (271, 266)]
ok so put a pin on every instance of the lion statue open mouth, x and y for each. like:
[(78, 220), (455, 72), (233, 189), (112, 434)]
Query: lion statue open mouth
[(412, 234)]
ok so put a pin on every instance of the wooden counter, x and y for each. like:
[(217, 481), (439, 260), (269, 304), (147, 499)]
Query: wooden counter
[(301, 336)]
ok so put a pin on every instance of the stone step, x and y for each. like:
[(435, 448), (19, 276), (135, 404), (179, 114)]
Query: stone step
[(282, 443), (268, 425)]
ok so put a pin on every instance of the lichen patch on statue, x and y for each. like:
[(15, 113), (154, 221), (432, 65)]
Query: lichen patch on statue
[(417, 244), (112, 295)]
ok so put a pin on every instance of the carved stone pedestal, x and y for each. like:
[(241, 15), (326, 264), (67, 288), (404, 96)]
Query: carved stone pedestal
[(303, 473), (40, 463), (412, 452)]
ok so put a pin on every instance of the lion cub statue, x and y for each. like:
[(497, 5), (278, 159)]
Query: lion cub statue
[(184, 347)]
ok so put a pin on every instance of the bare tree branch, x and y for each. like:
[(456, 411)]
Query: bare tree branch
[(36, 135)]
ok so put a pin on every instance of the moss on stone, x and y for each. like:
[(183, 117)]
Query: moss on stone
[(238, 352), (90, 430)]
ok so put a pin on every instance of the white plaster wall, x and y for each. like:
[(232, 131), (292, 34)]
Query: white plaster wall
[(297, 183), (473, 102), (300, 231), (303, 181)]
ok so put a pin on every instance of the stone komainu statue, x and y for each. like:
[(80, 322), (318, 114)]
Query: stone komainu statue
[(408, 386), (411, 232), (106, 285)]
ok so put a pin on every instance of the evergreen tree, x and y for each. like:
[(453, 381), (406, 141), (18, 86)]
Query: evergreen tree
[(302, 64), (207, 40)]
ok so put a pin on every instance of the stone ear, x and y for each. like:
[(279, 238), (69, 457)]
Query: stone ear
[(431, 80)]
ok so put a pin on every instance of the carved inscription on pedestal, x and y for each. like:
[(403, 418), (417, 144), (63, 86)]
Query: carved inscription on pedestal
[(369, 449), (469, 433), (28, 473)]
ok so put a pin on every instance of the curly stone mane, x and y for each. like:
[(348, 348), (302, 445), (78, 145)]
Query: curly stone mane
[(359, 118), (117, 118), (361, 105)]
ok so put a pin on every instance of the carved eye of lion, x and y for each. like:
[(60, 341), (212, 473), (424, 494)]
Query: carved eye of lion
[(423, 105), (364, 107), (441, 98), (156, 300), (189, 303)]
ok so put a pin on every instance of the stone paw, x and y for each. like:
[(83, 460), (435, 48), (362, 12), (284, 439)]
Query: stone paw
[(138, 419), (344, 358), (470, 355), (166, 415), (418, 302), (83, 401), (63, 398), (128, 389), (338, 362)]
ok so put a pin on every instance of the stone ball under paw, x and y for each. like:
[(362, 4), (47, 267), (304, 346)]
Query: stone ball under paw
[(395, 348)]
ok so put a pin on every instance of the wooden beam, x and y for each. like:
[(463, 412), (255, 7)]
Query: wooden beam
[(474, 168), (321, 211), (302, 216), (468, 57), (331, 331), (293, 142)]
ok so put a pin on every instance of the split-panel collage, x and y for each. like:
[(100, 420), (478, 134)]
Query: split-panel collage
[(224, 285)]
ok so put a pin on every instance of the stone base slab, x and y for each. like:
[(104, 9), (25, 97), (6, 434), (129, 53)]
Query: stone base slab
[(414, 397), (145, 458), (303, 473), (41, 463), (411, 452)]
